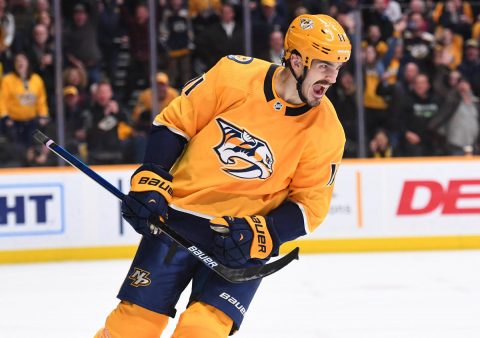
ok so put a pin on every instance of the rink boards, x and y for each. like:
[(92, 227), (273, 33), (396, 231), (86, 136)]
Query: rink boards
[(378, 205)]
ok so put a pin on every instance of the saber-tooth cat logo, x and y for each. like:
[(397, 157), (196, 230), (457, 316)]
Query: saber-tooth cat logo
[(139, 277), (244, 155)]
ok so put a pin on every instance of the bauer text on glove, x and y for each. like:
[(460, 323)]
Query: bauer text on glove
[(239, 239)]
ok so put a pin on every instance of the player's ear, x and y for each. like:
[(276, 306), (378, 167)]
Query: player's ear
[(296, 61)]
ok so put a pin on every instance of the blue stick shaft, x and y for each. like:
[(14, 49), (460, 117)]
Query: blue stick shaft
[(77, 164)]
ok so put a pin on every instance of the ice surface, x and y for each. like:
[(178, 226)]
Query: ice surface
[(388, 295)]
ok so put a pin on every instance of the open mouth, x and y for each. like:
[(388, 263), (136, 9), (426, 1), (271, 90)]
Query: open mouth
[(319, 90)]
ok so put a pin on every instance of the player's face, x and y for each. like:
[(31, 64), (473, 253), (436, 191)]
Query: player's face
[(320, 76)]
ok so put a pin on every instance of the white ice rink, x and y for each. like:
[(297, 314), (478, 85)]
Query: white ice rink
[(389, 295)]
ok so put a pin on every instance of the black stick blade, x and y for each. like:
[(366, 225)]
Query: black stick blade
[(250, 273), (233, 275), (40, 137)]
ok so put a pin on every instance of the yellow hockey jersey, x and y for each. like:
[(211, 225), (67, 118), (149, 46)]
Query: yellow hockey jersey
[(23, 101), (249, 150)]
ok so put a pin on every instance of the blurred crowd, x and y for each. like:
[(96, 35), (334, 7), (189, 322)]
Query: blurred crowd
[(420, 63), (421, 83)]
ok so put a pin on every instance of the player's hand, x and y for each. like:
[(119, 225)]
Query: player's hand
[(239, 239), (150, 192)]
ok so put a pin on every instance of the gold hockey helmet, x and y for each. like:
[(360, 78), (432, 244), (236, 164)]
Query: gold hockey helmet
[(317, 37)]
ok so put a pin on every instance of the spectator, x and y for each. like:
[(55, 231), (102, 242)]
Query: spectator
[(110, 31), (76, 77), (75, 122), (376, 16), (42, 5), (137, 27), (142, 116), (312, 6), (448, 49), (456, 14), (7, 34), (419, 44), (348, 22), (392, 62), (176, 33), (476, 29), (23, 13), (393, 11), (343, 97), (45, 18), (203, 13), (41, 53), (106, 127), (300, 10), (39, 156), (374, 39), (346, 7), (222, 38), (265, 20), (80, 41), (23, 102), (470, 66), (376, 111), (280, 18), (459, 116), (421, 108), (380, 146), (416, 6), (422, 8), (400, 93), (445, 81), (275, 54)]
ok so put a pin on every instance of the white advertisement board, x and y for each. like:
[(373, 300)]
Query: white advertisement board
[(404, 199), (62, 208)]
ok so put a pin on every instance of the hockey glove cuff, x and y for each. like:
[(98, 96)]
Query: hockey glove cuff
[(150, 177), (150, 193)]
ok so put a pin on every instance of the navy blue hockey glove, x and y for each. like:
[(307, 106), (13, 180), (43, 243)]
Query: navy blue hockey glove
[(238, 240), (150, 193)]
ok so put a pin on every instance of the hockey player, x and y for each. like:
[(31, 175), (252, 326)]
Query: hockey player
[(243, 161)]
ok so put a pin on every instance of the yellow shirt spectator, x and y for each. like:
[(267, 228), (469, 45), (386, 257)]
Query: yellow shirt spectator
[(23, 100), (440, 7), (476, 30), (196, 7), (165, 95), (449, 49)]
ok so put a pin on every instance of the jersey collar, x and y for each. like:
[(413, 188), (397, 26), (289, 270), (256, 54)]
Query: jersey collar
[(270, 94)]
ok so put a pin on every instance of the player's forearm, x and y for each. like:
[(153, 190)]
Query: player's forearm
[(163, 147)]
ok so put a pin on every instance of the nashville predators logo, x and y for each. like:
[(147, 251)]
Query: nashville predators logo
[(244, 155), (306, 23), (139, 277)]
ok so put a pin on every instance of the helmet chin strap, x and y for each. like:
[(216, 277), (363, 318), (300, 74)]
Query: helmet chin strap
[(299, 81)]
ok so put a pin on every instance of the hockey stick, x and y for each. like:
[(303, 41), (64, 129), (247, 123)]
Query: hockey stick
[(229, 274)]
